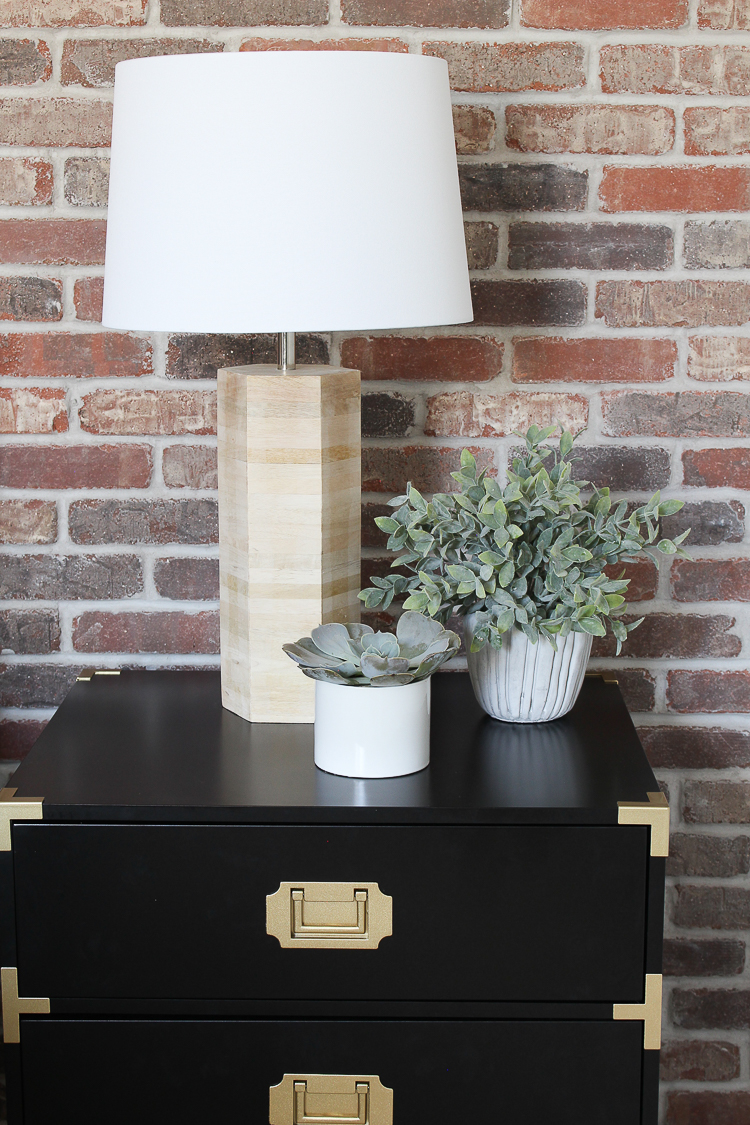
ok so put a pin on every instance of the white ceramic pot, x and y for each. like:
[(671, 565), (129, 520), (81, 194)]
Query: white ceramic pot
[(527, 683), (372, 732)]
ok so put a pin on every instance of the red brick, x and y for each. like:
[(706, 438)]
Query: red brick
[(722, 857), (638, 688), (55, 121), (699, 1060), (190, 579), (724, 15), (372, 536), (463, 414), (717, 130), (676, 414), (38, 410), (522, 187), (29, 631), (481, 244), (589, 246), (495, 67), (387, 414), (101, 355), (665, 188), (714, 907), (708, 1107), (190, 466), (553, 359), (199, 356), (602, 14), (610, 129), (717, 468), (695, 748), (710, 69), (24, 62), (91, 62), (672, 304), (712, 1008), (450, 359), (28, 521), (427, 467), (70, 577), (53, 241), (426, 13), (675, 635), (642, 575), (149, 412), (559, 303), (35, 685), (88, 293), (30, 298), (25, 181), (17, 736), (710, 580), (75, 466), (73, 13), (138, 520), (178, 632), (710, 522), (719, 359), (623, 468), (474, 128), (323, 45), (717, 957), (243, 13), (708, 692), (86, 181)]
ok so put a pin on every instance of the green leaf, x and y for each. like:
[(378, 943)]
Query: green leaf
[(666, 546), (566, 443), (385, 523), (506, 573), (669, 507), (593, 625), (468, 461)]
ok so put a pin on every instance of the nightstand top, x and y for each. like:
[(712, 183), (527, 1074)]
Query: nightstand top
[(146, 746)]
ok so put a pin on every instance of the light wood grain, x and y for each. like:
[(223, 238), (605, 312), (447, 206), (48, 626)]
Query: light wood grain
[(289, 527)]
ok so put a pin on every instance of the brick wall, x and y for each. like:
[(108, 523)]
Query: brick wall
[(603, 151)]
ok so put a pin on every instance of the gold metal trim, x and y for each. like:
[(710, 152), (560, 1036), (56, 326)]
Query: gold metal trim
[(88, 674), (649, 1011), (15, 1006), (655, 812), (329, 915), (330, 1099), (15, 810), (605, 676)]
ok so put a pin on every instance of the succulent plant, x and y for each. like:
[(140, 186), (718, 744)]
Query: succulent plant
[(357, 656), (530, 555)]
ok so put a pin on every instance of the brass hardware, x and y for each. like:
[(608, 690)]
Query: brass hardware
[(330, 1099), (15, 1006), (654, 811), (608, 679), (88, 674), (15, 810), (329, 915), (649, 1011)]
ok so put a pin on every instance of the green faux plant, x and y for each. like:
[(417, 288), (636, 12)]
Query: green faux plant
[(531, 555), (356, 655)]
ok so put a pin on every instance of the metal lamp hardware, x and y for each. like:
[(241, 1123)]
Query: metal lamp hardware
[(88, 674), (329, 915), (15, 1006), (655, 812), (15, 810), (605, 676), (649, 1011), (330, 1099)]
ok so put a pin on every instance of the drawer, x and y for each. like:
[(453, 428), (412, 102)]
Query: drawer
[(527, 913), (441, 1072)]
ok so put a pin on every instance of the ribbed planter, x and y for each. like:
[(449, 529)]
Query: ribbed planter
[(527, 683)]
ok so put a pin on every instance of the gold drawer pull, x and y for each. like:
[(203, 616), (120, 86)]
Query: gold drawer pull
[(329, 915), (330, 1099)]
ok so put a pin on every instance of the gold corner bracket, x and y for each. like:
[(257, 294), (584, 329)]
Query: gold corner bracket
[(654, 812), (15, 810), (15, 1006), (329, 915), (649, 1011), (88, 674), (330, 1099)]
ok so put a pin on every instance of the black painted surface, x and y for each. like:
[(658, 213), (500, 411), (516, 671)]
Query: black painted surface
[(159, 746), (533, 913), (442, 1072)]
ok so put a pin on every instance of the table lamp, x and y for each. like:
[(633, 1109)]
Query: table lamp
[(278, 192)]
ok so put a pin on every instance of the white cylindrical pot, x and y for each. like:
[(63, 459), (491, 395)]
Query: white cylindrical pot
[(372, 732), (525, 682)]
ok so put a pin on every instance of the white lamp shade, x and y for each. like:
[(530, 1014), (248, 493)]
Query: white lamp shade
[(284, 191)]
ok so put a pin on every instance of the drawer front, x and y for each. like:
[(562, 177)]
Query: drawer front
[(441, 1072), (478, 913)]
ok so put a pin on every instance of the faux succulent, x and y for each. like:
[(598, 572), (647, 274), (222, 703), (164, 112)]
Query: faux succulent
[(531, 554), (356, 655)]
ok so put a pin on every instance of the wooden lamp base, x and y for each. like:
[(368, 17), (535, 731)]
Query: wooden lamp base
[(289, 527)]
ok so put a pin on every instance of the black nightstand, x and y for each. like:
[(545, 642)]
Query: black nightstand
[(482, 938)]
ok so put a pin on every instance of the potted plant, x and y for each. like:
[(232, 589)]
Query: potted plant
[(367, 732), (526, 565)]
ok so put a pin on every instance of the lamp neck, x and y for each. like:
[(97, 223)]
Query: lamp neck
[(286, 352)]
